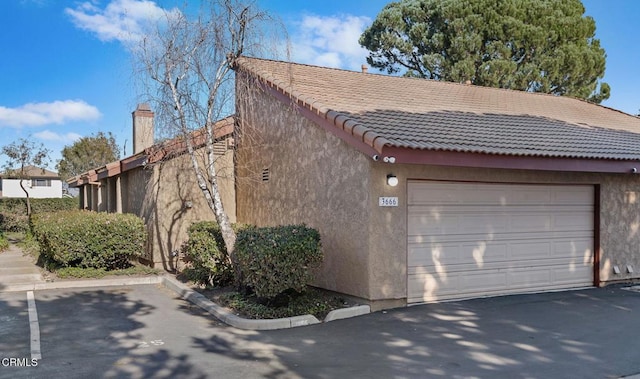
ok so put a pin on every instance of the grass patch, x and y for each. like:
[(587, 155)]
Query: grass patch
[(27, 242), (313, 301), (4, 242), (77, 272), (96, 273)]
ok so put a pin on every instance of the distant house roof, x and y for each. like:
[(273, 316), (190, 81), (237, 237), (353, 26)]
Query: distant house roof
[(385, 112), (33, 172)]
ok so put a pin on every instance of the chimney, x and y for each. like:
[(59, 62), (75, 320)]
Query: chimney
[(364, 68), (142, 128)]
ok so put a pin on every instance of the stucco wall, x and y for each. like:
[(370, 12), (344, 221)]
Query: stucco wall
[(619, 218), (314, 178), (166, 196), (172, 201)]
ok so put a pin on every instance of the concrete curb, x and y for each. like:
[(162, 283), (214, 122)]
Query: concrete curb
[(231, 319), (343, 313), (196, 298)]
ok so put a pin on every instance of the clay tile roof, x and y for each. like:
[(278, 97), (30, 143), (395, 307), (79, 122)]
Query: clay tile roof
[(431, 115)]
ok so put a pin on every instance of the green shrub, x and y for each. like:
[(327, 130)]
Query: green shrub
[(14, 222), (4, 242), (13, 211), (206, 252), (276, 259), (88, 239), (313, 301)]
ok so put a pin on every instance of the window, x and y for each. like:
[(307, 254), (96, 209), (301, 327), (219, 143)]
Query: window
[(41, 182)]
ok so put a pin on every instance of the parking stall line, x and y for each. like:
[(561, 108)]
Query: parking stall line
[(34, 326)]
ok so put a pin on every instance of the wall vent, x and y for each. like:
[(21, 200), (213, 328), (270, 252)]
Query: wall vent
[(265, 175), (219, 148)]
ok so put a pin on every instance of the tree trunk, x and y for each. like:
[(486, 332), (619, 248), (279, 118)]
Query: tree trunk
[(28, 200)]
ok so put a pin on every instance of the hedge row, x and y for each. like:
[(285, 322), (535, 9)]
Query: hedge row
[(88, 239), (13, 211), (267, 261)]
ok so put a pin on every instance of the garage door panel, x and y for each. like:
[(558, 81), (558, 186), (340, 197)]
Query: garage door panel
[(485, 252), (467, 284), (447, 193), (483, 237), (443, 268), (512, 220), (468, 240)]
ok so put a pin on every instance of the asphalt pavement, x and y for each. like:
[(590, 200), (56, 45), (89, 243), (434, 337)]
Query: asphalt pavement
[(146, 331)]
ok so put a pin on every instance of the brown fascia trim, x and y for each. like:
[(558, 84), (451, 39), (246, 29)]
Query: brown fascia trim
[(109, 170), (222, 128), (478, 160), (177, 146)]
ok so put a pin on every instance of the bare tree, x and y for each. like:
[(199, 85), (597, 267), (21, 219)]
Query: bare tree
[(187, 68), (24, 156)]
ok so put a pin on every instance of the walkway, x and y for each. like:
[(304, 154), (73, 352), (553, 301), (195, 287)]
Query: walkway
[(18, 269)]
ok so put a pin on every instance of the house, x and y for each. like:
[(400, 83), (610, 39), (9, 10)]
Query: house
[(427, 191), (157, 184), (41, 183)]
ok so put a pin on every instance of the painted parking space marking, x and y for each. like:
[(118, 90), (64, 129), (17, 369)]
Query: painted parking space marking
[(145, 344), (34, 326)]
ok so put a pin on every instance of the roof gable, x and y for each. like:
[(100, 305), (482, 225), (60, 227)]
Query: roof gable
[(426, 115)]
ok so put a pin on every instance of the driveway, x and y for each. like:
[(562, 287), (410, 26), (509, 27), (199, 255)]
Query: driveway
[(145, 331)]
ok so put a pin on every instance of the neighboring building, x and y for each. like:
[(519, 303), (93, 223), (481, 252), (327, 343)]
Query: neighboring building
[(158, 184), (41, 183), (490, 191)]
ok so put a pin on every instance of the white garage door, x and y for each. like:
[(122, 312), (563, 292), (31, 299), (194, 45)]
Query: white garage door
[(477, 239)]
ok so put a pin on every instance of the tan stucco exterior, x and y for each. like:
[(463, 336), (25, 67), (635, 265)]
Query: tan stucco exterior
[(165, 194), (318, 179), (314, 178)]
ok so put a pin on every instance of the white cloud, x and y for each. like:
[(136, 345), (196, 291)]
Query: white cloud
[(120, 20), (57, 112), (330, 41), (48, 135)]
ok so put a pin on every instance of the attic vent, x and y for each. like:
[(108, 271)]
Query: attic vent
[(265, 175), (219, 148)]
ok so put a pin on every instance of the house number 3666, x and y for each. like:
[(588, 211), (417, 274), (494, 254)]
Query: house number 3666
[(388, 201)]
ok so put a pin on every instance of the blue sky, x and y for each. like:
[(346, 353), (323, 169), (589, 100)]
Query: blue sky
[(66, 72)]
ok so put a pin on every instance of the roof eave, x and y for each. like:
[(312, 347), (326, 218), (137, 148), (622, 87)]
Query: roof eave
[(405, 155)]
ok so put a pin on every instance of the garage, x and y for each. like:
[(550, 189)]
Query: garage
[(470, 239)]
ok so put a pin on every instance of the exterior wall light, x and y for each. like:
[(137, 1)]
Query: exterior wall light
[(392, 180)]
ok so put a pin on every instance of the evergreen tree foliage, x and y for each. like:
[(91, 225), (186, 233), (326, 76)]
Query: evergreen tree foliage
[(531, 45), (87, 153)]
